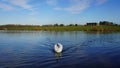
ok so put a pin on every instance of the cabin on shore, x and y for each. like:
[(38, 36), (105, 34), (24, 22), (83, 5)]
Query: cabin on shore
[(92, 24), (106, 23)]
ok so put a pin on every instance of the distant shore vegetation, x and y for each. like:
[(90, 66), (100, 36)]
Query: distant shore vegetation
[(92, 26)]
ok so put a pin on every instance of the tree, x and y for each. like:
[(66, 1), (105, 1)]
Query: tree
[(76, 24), (71, 24), (61, 24), (56, 24)]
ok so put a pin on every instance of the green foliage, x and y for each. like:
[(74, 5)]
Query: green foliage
[(59, 28), (61, 24)]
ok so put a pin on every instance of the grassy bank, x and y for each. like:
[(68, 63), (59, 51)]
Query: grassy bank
[(61, 28)]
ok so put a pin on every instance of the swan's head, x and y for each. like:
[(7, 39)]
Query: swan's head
[(58, 45)]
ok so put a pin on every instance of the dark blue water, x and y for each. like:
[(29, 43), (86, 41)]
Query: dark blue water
[(34, 49)]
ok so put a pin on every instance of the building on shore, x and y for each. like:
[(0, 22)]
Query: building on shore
[(105, 23), (92, 24)]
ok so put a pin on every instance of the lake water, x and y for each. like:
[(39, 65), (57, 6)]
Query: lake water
[(34, 49)]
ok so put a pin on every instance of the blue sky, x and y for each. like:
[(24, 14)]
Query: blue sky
[(39, 12)]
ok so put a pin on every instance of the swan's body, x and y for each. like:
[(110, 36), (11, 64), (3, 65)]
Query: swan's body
[(58, 48)]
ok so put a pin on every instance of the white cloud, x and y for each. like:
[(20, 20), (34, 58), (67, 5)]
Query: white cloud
[(14, 4), (10, 4), (6, 7), (51, 2), (99, 2), (21, 3), (58, 8), (78, 6), (74, 6)]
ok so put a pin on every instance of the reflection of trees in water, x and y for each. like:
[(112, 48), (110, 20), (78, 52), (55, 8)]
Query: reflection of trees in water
[(57, 56)]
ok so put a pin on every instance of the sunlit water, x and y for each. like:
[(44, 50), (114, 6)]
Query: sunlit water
[(34, 49)]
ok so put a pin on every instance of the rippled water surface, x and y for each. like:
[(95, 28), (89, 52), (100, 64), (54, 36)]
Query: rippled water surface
[(34, 49)]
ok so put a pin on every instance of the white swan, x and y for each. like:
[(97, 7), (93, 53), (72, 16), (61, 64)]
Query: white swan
[(58, 48)]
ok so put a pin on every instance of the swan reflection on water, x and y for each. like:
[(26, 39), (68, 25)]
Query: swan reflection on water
[(57, 56)]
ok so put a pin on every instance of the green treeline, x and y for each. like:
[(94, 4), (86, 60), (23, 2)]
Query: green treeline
[(102, 26)]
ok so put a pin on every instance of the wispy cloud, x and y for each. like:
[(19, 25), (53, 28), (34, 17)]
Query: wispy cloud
[(21, 3), (51, 2), (99, 2), (74, 6), (10, 4), (6, 7), (78, 6)]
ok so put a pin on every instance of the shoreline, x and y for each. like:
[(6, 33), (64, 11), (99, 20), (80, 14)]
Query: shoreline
[(63, 28)]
